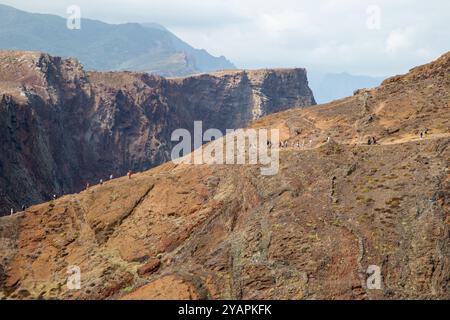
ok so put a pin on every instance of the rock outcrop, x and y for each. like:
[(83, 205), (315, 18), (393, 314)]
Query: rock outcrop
[(337, 209), (61, 127)]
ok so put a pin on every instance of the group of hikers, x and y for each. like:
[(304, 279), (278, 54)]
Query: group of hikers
[(283, 144), (370, 141), (422, 134), (129, 175), (294, 144), (55, 196), (24, 207)]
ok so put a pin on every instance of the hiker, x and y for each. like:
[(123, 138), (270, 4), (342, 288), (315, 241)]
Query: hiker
[(101, 181), (426, 130), (87, 185), (328, 139), (111, 177), (24, 207), (421, 135), (12, 211), (130, 173), (369, 142), (54, 197), (374, 140)]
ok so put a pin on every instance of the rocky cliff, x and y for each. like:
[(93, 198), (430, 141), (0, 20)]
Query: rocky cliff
[(61, 127), (337, 210)]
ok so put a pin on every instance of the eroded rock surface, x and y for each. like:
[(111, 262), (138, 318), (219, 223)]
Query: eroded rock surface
[(61, 127), (227, 232)]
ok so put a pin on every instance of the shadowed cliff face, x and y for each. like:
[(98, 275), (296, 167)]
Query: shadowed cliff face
[(62, 127), (336, 207)]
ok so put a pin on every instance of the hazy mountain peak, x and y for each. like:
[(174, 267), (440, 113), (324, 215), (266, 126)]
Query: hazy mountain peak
[(147, 47), (154, 25)]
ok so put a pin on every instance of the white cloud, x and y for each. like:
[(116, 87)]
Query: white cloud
[(398, 40), (283, 21)]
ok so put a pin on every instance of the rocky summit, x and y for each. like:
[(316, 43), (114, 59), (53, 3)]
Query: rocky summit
[(62, 127), (338, 210)]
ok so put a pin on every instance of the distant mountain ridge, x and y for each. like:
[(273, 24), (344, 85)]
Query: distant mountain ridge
[(106, 47)]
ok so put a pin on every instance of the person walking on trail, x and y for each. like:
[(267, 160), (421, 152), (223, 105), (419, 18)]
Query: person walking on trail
[(101, 181), (421, 135), (54, 197), (12, 211), (87, 185), (130, 173), (111, 177), (24, 207), (369, 142), (374, 140)]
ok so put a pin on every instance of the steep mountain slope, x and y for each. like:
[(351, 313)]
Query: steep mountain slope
[(216, 231), (61, 127), (105, 47)]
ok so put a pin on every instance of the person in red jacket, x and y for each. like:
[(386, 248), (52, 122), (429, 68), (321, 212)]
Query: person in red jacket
[(130, 173)]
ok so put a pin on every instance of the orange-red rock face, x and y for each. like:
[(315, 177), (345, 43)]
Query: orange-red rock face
[(61, 127), (312, 231)]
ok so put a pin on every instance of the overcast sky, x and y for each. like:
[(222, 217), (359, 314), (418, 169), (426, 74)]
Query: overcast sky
[(374, 37)]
